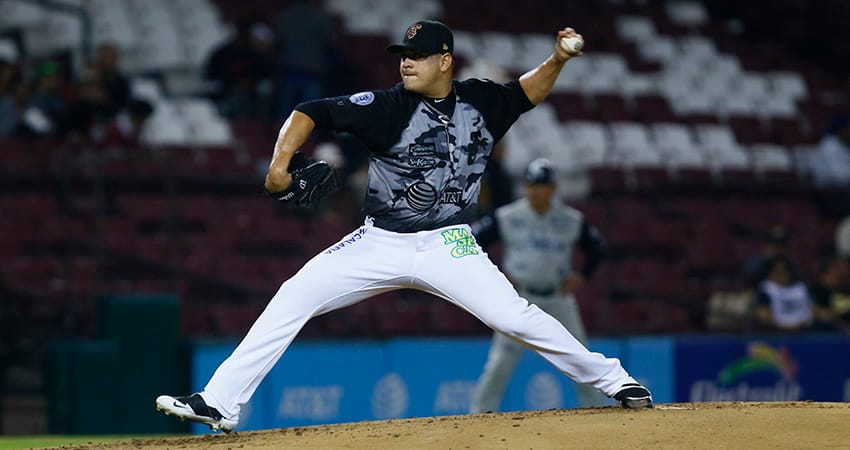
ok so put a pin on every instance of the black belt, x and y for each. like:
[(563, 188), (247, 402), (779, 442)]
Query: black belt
[(540, 291)]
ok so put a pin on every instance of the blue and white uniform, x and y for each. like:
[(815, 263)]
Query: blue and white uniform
[(536, 258)]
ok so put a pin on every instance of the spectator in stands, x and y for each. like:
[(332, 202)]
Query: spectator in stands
[(238, 71), (10, 77), (263, 41), (88, 106), (782, 299), (109, 79), (124, 131), (830, 167), (842, 237), (831, 293), (304, 32), (776, 243), (47, 113), (101, 92), (831, 164)]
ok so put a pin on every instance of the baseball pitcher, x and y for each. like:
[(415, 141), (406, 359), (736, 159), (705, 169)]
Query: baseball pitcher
[(429, 139)]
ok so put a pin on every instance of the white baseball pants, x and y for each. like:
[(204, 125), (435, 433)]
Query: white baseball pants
[(505, 353), (445, 262)]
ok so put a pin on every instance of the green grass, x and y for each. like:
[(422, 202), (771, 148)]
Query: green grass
[(22, 442)]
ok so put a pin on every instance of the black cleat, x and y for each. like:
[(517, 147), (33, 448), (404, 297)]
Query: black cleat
[(634, 396)]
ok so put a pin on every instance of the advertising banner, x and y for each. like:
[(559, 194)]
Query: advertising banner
[(334, 382), (770, 369)]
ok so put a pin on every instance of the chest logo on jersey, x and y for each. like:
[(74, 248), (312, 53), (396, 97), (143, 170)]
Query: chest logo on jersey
[(422, 156), (464, 242), (421, 196), (420, 162), (421, 149), (452, 196)]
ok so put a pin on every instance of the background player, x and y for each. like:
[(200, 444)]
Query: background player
[(429, 139), (539, 233)]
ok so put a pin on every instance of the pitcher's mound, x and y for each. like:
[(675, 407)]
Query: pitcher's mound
[(773, 425)]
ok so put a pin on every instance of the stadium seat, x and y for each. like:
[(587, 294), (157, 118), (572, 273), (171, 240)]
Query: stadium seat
[(631, 145), (770, 157), (635, 28), (612, 107), (590, 141), (111, 23), (676, 145), (749, 129), (56, 31), (146, 89), (687, 13), (500, 49), (788, 84), (661, 49), (22, 15)]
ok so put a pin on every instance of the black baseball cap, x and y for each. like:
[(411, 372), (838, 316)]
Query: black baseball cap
[(426, 36), (540, 171)]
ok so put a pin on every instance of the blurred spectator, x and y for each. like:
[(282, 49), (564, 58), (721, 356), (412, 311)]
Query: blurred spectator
[(100, 93), (239, 71), (776, 243), (831, 293), (304, 32), (89, 105), (831, 164), (842, 237), (263, 41), (10, 77), (125, 129), (106, 74), (830, 167), (782, 299), (47, 112)]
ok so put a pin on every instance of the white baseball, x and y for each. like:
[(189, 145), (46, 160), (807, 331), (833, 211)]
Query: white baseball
[(572, 44)]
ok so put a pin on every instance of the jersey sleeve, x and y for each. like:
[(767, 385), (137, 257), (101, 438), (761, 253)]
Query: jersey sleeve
[(593, 245), (501, 104), (486, 229), (375, 117)]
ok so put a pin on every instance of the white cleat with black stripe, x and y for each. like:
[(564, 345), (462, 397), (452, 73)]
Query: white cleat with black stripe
[(194, 408)]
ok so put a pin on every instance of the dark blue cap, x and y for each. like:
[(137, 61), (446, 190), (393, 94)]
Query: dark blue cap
[(540, 171)]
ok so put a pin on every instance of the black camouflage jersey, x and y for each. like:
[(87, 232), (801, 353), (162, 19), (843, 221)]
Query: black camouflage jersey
[(426, 158)]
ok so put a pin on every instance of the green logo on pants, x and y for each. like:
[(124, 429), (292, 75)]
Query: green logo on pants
[(463, 241)]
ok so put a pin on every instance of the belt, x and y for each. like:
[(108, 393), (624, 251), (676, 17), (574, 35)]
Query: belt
[(540, 291)]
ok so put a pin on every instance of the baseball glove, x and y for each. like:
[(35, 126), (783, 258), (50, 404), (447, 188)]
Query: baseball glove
[(312, 181)]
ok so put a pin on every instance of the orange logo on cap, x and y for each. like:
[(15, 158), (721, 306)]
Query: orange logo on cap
[(411, 32)]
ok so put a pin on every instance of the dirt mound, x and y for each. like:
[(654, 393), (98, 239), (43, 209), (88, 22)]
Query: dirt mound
[(668, 426)]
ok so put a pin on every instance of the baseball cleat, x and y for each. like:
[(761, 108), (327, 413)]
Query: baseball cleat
[(634, 396), (194, 408)]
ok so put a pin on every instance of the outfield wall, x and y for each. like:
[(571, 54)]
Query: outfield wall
[(333, 382)]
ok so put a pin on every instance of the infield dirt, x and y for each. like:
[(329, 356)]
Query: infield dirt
[(732, 425)]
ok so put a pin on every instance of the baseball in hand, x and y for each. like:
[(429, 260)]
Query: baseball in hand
[(572, 44)]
